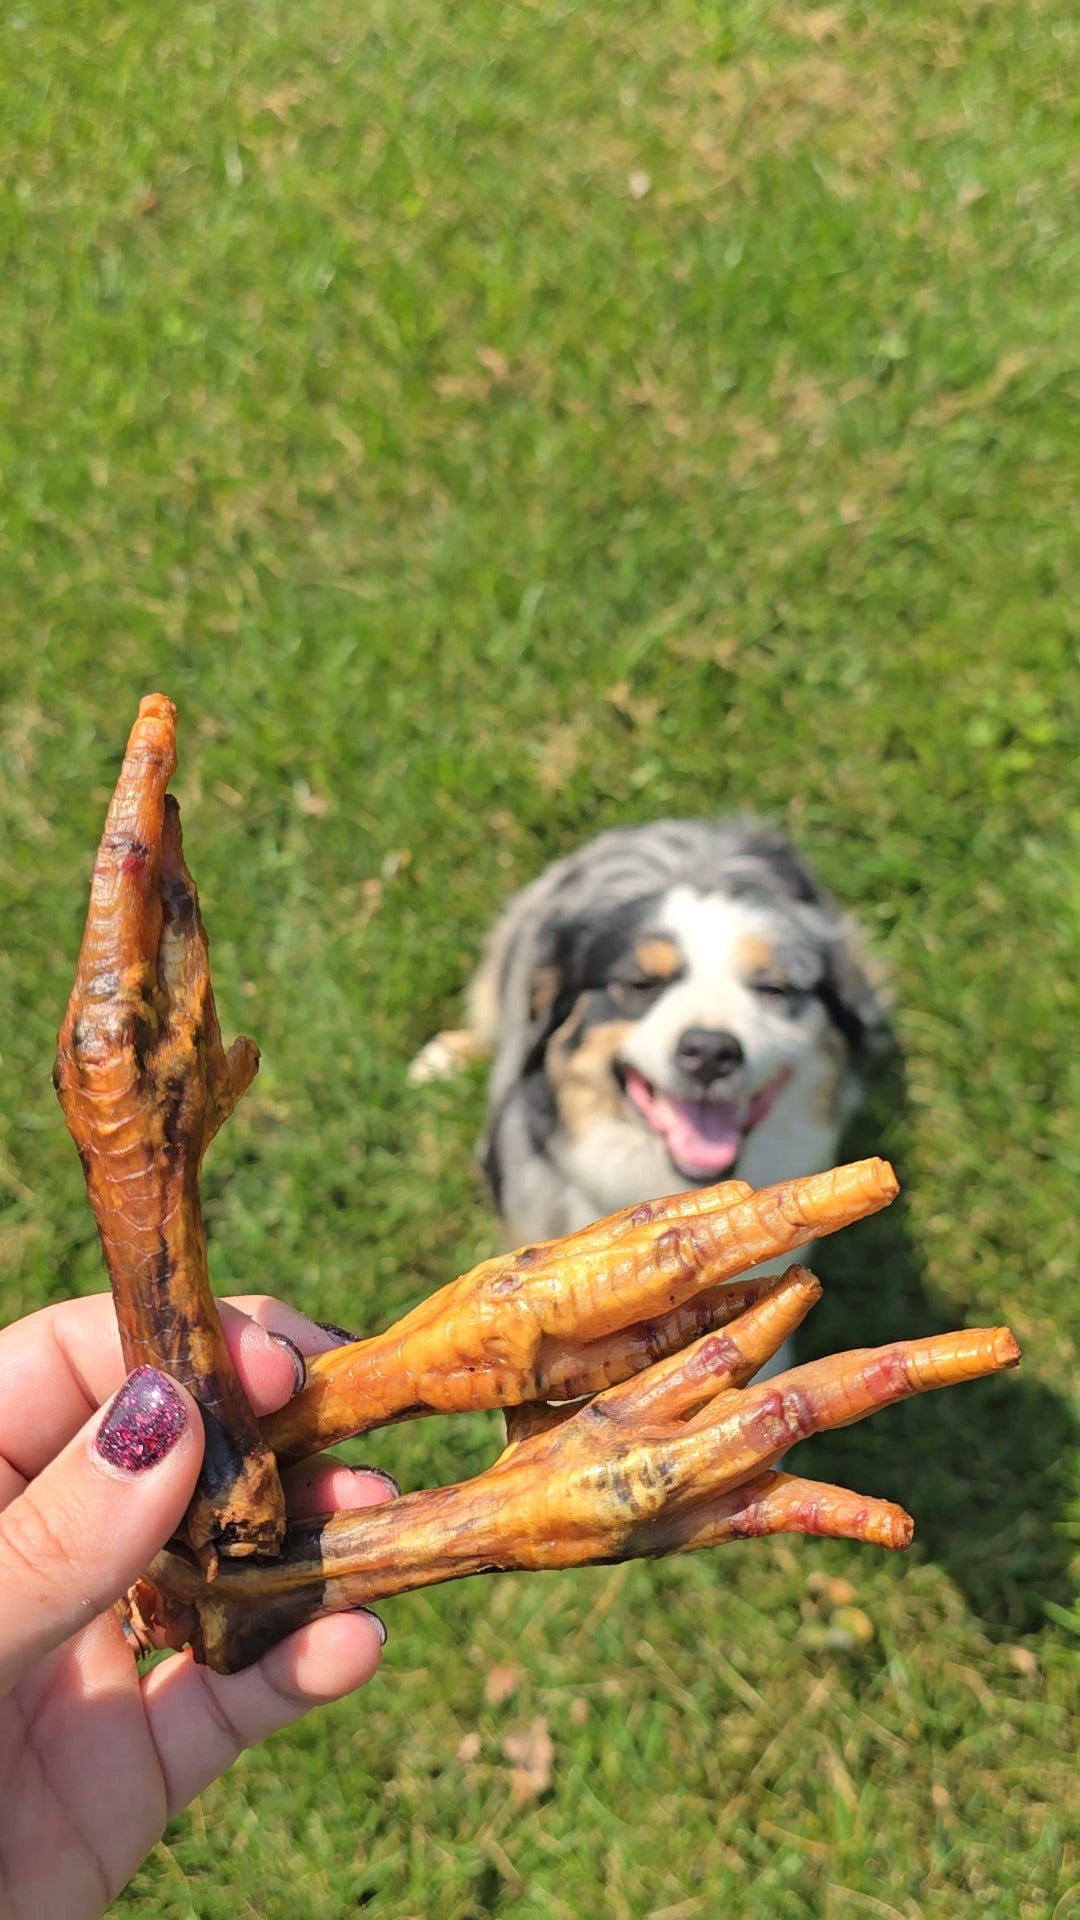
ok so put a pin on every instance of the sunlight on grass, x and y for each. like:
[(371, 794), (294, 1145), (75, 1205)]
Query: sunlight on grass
[(488, 425)]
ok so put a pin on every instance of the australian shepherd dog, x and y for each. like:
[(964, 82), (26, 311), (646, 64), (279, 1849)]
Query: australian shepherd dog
[(673, 1004)]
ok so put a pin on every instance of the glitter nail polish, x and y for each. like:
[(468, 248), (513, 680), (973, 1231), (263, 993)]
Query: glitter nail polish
[(299, 1363), (338, 1333), (145, 1420)]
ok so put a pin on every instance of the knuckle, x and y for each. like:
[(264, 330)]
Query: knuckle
[(101, 1036), (229, 1733), (34, 1542), (293, 1701)]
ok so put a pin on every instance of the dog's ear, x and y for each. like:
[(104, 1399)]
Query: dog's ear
[(547, 1025), (554, 986), (854, 990), (526, 1102), (543, 990)]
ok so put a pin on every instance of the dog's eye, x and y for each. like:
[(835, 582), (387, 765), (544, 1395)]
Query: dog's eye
[(634, 990), (784, 992)]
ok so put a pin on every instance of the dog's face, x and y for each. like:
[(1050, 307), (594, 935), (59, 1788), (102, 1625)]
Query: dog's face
[(689, 1035)]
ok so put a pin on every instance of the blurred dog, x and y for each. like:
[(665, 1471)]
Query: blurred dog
[(672, 1005)]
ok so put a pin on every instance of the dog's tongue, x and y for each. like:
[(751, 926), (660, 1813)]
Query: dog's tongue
[(703, 1137)]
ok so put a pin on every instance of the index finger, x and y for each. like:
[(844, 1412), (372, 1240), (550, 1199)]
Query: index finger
[(58, 1365)]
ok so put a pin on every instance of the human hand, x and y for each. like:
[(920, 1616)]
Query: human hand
[(94, 1760)]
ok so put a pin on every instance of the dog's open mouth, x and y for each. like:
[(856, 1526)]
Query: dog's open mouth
[(703, 1137)]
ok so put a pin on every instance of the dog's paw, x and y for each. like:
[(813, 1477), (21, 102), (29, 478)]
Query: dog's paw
[(443, 1057)]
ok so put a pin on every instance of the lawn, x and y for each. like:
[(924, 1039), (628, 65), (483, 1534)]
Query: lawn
[(489, 424)]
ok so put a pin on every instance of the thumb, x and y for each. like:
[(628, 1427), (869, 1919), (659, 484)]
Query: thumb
[(85, 1528)]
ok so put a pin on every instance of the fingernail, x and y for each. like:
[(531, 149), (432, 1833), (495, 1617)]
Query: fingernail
[(299, 1363), (338, 1333), (144, 1422), (381, 1474), (378, 1624)]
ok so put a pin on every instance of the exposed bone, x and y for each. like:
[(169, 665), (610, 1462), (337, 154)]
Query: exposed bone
[(145, 1083)]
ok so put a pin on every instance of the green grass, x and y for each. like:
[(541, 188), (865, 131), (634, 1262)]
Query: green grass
[(491, 423)]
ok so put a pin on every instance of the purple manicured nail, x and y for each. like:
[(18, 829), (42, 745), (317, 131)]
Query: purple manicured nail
[(338, 1333), (299, 1363), (381, 1474), (378, 1624), (145, 1420)]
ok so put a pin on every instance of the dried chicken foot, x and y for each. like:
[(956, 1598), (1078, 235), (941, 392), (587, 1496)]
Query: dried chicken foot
[(678, 1385), (607, 1484), (566, 1318), (145, 1083)]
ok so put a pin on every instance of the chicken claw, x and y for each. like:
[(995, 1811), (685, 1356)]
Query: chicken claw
[(624, 1356), (565, 1318), (633, 1473), (145, 1083)]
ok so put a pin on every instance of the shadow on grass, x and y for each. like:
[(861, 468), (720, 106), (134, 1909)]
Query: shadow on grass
[(980, 1467)]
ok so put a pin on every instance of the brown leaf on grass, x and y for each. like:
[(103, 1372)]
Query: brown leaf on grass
[(461, 386), (279, 102), (638, 708), (1023, 1662), (468, 1749), (531, 1754), (558, 754), (755, 443), (829, 1591), (970, 194), (650, 392), (315, 805), (493, 370), (948, 405), (494, 362), (501, 1685), (817, 24)]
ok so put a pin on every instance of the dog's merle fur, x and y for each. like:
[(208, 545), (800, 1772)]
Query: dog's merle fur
[(616, 983)]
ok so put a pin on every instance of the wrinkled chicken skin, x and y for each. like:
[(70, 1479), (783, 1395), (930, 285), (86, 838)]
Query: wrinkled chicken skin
[(679, 1457), (145, 1083), (622, 1356), (566, 1318)]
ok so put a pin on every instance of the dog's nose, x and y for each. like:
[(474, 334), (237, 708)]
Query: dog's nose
[(706, 1054)]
